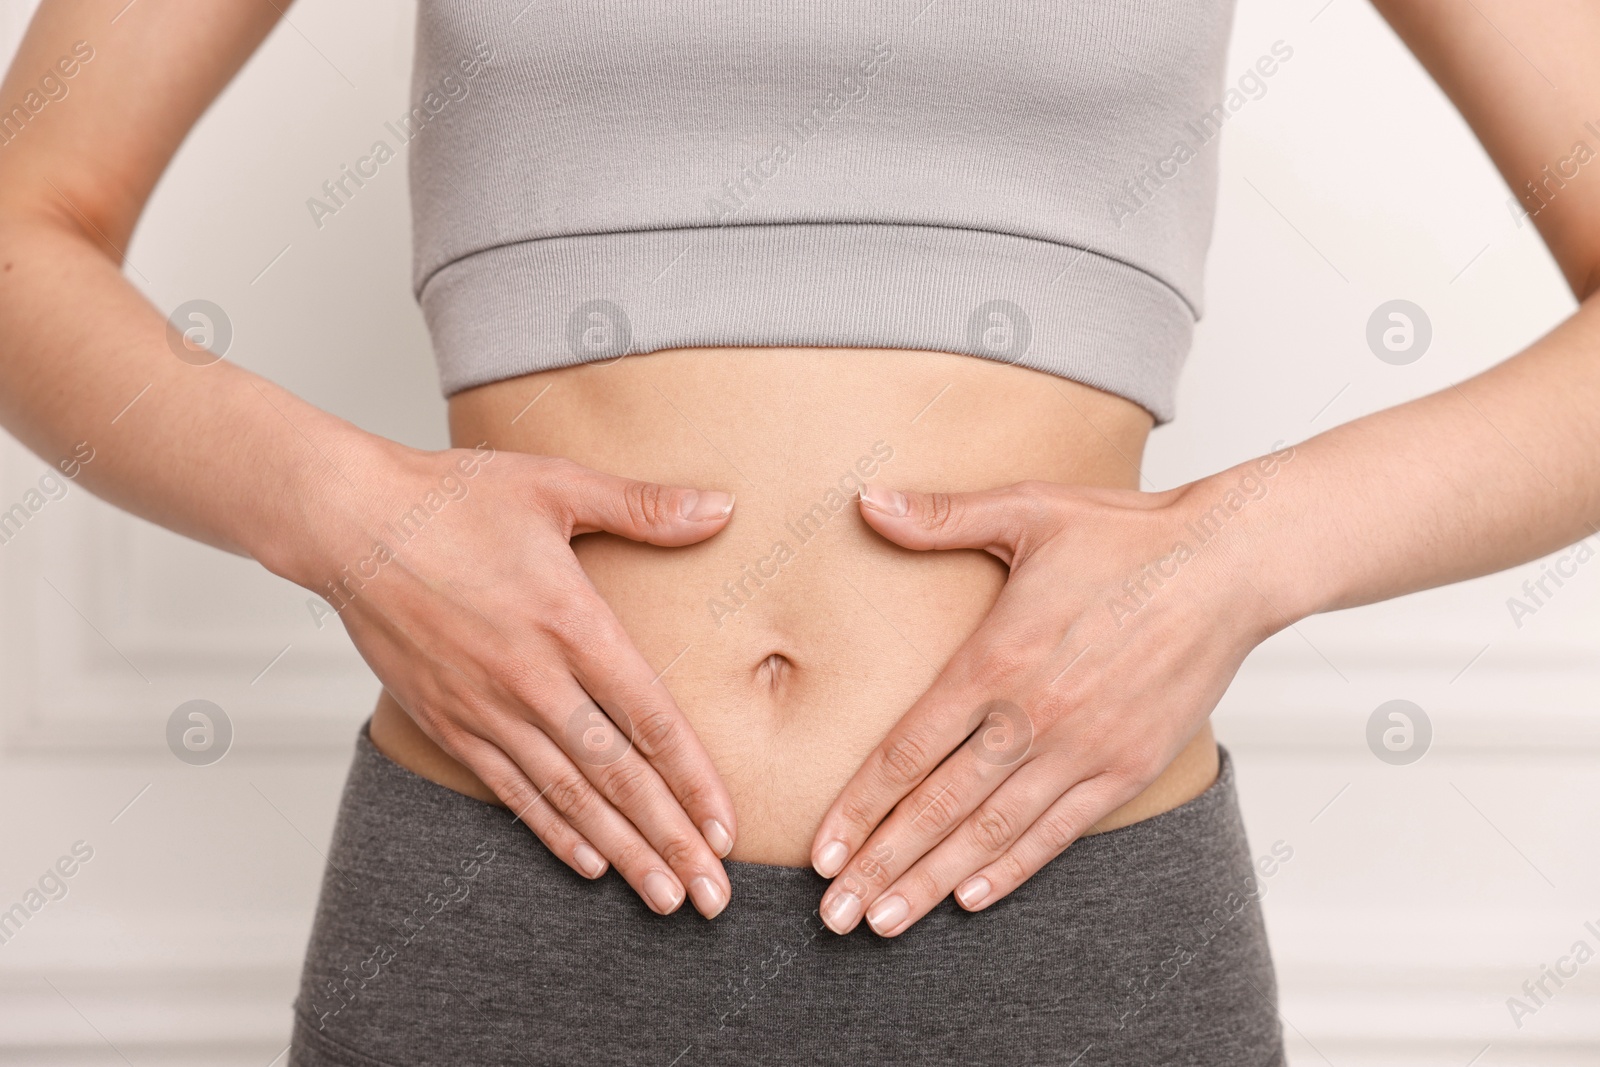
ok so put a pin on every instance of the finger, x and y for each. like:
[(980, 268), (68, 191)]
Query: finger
[(989, 832), (605, 756), (610, 668), (925, 817), (947, 715), (1067, 819), (565, 789), (665, 515), (526, 802), (999, 521)]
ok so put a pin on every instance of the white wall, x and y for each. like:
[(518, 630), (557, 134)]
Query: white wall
[(1419, 897)]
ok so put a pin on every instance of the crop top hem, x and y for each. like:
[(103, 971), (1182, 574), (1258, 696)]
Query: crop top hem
[(534, 305)]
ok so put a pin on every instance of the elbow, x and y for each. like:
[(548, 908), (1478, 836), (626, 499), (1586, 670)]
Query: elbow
[(1587, 283), (40, 191), (47, 209)]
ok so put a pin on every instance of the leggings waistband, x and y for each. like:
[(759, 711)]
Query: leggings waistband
[(447, 933)]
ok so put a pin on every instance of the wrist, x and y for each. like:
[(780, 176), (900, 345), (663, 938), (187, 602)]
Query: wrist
[(333, 494), (1239, 521)]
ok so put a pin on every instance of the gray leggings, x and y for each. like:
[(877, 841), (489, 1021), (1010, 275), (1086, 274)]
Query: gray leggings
[(447, 934)]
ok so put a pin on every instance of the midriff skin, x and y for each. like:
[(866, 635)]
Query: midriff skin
[(792, 681)]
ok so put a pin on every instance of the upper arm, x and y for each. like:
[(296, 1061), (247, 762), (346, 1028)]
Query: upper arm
[(1526, 79), (102, 92)]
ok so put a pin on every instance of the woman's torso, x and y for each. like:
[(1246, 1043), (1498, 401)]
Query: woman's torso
[(795, 638)]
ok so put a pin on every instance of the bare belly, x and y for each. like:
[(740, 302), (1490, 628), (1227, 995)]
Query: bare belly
[(795, 638)]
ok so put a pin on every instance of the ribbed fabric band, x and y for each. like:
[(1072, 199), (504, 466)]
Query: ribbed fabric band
[(535, 305), (1027, 182)]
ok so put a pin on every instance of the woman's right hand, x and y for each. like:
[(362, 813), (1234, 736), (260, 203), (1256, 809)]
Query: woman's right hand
[(483, 625), (455, 578)]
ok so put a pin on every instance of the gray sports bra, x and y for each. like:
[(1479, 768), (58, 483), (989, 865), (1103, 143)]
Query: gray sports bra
[(1030, 181)]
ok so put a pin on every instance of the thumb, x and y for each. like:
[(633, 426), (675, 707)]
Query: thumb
[(664, 515), (992, 519)]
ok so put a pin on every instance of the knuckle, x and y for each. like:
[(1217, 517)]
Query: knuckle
[(857, 815), (589, 736), (580, 628), (519, 795), (1069, 690), (522, 681), (430, 715), (878, 857), (632, 857), (680, 853), (865, 876), (902, 760), (626, 784), (923, 884), (693, 792), (934, 811), (992, 829), (648, 504), (471, 711), (556, 482), (1058, 829), (1036, 500), (1009, 870), (1008, 660), (565, 611), (854, 884), (571, 795), (939, 511), (658, 733), (1034, 491), (557, 472), (1127, 778)]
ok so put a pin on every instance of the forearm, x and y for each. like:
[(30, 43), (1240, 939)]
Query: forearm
[(1475, 478), (214, 452)]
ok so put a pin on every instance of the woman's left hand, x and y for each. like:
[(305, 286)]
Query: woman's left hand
[(1124, 619)]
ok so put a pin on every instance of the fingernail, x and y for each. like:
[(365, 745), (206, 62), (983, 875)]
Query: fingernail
[(888, 501), (888, 913), (708, 899), (974, 891), (663, 892), (843, 911), (704, 504), (588, 860), (830, 858), (717, 837)]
